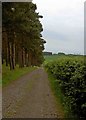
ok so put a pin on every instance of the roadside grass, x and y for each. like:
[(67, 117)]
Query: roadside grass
[(0, 79), (10, 75), (60, 99)]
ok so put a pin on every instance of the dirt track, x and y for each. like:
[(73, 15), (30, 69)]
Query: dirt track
[(30, 97)]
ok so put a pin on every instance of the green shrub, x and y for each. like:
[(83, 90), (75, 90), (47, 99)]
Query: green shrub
[(71, 73)]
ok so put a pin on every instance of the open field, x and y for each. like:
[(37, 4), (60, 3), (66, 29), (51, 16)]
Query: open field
[(49, 58)]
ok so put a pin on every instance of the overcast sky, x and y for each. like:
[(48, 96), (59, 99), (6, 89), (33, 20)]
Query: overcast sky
[(63, 23)]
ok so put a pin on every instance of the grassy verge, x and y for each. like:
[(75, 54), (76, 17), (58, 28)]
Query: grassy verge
[(63, 108), (0, 79), (9, 76)]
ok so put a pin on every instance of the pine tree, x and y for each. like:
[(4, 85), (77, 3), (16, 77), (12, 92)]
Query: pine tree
[(22, 39)]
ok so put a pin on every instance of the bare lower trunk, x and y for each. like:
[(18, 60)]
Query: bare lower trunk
[(7, 56), (21, 58), (29, 58), (10, 55), (27, 63), (14, 54)]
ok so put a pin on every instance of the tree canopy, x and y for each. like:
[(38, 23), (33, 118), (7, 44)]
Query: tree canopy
[(22, 41)]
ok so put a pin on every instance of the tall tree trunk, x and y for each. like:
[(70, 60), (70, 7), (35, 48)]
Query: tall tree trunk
[(13, 55), (23, 57), (7, 56), (16, 54), (29, 58), (2, 59), (27, 62), (7, 53), (33, 60), (21, 61), (10, 55), (20, 58)]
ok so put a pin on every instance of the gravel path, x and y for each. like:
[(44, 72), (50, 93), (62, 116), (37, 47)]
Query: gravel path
[(30, 97), (0, 102)]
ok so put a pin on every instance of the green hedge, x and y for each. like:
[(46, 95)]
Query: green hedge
[(71, 74)]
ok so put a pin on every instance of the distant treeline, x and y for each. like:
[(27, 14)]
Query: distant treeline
[(60, 53), (47, 53), (22, 42)]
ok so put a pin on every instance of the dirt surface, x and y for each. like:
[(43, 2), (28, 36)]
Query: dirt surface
[(0, 94), (0, 102), (30, 97)]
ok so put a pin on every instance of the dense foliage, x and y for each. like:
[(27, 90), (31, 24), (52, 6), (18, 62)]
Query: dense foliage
[(22, 41), (70, 74)]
